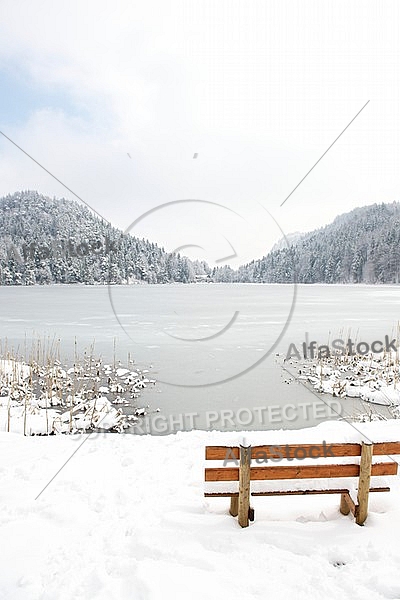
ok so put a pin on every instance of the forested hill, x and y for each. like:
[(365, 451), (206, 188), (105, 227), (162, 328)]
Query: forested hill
[(45, 240), (362, 246)]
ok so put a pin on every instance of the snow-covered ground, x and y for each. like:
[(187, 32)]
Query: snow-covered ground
[(126, 519)]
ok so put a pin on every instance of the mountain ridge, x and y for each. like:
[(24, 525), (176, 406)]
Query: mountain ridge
[(45, 241), (361, 246)]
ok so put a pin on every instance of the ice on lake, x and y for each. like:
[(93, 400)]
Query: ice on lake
[(180, 330)]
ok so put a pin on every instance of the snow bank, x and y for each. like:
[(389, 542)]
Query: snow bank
[(126, 519), (43, 400), (371, 378)]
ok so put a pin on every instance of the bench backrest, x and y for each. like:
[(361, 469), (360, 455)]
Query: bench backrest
[(298, 452)]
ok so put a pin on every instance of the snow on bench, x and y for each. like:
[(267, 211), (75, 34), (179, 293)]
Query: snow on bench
[(236, 481)]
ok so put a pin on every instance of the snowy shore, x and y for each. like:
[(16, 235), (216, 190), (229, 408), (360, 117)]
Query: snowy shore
[(49, 400), (373, 378), (126, 519)]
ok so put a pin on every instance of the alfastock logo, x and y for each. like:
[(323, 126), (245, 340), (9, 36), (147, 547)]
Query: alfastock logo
[(60, 248)]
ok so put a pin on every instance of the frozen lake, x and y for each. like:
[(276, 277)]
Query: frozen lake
[(211, 347)]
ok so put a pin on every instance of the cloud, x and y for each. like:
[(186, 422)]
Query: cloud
[(259, 90)]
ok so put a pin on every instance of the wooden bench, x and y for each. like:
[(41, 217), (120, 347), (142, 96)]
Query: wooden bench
[(244, 473)]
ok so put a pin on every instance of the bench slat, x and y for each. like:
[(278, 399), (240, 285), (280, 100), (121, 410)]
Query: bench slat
[(298, 472), (311, 492), (290, 492), (289, 450)]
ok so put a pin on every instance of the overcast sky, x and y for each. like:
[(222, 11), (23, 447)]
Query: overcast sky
[(115, 98)]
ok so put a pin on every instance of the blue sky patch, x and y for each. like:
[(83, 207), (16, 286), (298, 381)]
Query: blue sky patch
[(20, 97)]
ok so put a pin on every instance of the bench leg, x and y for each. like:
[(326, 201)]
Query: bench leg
[(364, 483), (234, 509), (244, 486), (344, 507)]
